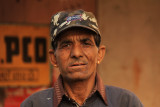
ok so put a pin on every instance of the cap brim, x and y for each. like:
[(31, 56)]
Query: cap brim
[(75, 25)]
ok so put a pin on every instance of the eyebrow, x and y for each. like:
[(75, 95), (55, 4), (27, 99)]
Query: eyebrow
[(65, 42), (82, 40), (86, 39)]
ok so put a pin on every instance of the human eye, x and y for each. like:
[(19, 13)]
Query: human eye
[(65, 44), (87, 42)]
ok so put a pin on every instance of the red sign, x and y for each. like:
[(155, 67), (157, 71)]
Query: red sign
[(15, 96)]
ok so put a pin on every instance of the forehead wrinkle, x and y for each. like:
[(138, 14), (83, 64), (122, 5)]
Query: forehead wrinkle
[(76, 37), (75, 34)]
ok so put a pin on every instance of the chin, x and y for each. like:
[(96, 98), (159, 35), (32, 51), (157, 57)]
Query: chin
[(77, 77)]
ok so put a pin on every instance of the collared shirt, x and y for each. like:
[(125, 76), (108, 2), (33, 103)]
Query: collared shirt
[(59, 92), (101, 96)]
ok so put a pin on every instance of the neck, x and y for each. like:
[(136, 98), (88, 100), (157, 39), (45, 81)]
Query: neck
[(79, 90)]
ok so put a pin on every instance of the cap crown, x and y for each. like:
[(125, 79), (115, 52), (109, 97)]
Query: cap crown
[(67, 19)]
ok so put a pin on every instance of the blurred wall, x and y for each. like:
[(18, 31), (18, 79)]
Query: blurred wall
[(131, 32), (21, 19), (38, 11)]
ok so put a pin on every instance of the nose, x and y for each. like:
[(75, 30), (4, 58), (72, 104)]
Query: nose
[(76, 51)]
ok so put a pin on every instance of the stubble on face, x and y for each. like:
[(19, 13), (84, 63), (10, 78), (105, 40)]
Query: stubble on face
[(76, 56)]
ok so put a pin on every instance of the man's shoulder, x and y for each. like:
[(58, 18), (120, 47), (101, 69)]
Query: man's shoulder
[(39, 99), (43, 93), (118, 90), (122, 97)]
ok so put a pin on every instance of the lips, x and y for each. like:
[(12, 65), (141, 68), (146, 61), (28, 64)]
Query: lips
[(78, 67), (77, 64)]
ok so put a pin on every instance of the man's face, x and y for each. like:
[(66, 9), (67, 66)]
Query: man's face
[(76, 56)]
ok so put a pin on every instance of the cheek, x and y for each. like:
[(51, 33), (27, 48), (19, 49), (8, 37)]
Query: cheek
[(62, 58), (92, 56)]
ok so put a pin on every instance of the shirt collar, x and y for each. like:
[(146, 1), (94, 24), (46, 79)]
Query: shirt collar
[(59, 90)]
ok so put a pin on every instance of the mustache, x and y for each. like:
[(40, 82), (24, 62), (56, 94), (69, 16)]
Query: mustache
[(78, 62)]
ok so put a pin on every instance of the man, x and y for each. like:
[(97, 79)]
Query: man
[(76, 53)]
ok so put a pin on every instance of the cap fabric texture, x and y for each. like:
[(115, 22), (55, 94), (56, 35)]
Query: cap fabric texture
[(67, 19)]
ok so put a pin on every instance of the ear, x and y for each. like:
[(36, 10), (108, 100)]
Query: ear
[(101, 53), (52, 57)]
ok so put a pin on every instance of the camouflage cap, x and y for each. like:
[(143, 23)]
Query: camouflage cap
[(67, 19)]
